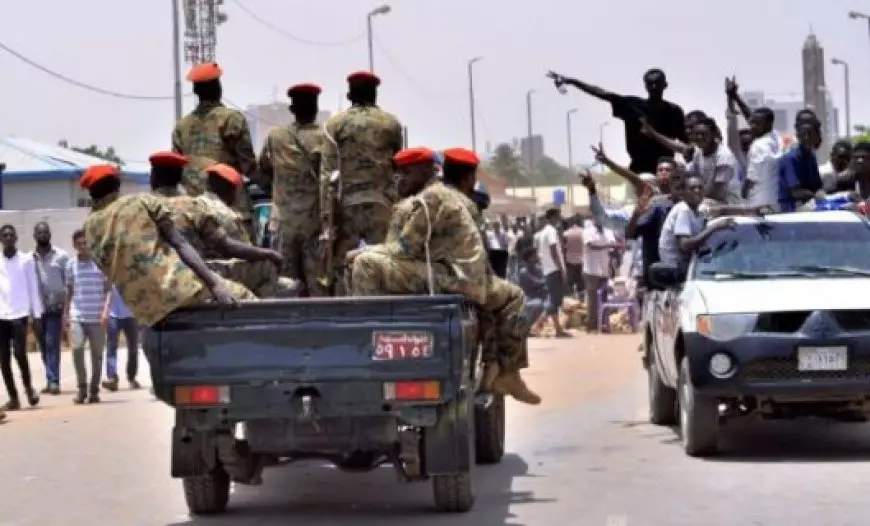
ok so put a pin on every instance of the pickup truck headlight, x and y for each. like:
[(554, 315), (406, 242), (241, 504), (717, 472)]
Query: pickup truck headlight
[(725, 327)]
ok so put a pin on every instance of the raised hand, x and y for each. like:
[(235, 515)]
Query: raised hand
[(600, 156)]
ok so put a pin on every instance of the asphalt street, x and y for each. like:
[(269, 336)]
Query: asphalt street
[(585, 457)]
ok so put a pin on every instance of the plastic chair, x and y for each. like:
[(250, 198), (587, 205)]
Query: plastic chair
[(627, 303)]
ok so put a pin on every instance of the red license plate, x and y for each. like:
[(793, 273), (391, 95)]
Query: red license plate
[(402, 346)]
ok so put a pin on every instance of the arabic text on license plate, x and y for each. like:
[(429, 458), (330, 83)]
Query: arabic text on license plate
[(823, 359), (402, 346)]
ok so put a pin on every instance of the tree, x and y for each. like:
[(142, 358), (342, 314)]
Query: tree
[(506, 165), (109, 154), (550, 172)]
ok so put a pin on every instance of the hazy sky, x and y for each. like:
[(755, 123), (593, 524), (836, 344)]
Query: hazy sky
[(421, 54)]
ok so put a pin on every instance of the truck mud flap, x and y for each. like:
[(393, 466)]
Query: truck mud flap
[(447, 446), (193, 453)]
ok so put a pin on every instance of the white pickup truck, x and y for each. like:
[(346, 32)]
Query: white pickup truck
[(772, 317)]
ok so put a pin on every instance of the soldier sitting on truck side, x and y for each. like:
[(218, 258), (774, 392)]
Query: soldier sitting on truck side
[(201, 221), (135, 243)]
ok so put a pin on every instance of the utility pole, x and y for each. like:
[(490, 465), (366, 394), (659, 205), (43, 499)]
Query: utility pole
[(570, 154), (471, 101), (382, 10), (176, 60), (530, 154)]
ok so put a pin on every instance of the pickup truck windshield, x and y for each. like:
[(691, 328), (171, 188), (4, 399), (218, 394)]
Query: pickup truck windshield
[(771, 250)]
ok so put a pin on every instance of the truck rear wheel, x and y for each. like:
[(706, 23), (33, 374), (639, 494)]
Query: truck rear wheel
[(454, 492), (662, 399), (489, 431), (207, 494), (699, 417)]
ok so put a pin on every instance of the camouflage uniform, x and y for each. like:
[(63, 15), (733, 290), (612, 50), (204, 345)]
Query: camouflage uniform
[(398, 266), (124, 239), (297, 192), (367, 139), (199, 220), (213, 133), (502, 320)]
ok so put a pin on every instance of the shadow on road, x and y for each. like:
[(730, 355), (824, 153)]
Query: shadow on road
[(332, 498), (807, 440)]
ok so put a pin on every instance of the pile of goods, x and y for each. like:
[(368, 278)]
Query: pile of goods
[(572, 316)]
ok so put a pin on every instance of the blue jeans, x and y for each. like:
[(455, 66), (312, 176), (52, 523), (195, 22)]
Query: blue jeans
[(48, 338), (131, 335)]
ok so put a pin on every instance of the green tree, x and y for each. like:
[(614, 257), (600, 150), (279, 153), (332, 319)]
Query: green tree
[(506, 164), (109, 154), (549, 172)]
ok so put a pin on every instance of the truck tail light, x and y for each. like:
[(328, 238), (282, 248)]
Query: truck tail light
[(202, 395), (414, 390)]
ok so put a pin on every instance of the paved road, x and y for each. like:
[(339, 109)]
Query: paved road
[(583, 458)]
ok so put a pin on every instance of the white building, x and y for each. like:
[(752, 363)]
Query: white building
[(41, 176), (785, 110)]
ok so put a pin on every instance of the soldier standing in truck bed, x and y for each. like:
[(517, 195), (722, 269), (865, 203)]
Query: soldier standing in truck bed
[(213, 133), (367, 139)]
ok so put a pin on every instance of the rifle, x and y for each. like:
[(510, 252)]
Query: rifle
[(330, 215)]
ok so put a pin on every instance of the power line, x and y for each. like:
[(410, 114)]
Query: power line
[(319, 43), (419, 86), (78, 83)]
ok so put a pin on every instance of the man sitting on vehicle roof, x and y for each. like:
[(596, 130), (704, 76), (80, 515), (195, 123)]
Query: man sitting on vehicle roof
[(215, 230)]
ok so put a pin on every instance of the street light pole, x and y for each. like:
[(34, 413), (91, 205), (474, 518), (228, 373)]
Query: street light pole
[(846, 88), (570, 154), (176, 59), (382, 10), (531, 154), (471, 64)]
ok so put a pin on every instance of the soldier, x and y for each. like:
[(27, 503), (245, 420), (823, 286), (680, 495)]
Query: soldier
[(502, 321), (429, 226), (293, 165), (367, 139), (213, 228), (211, 134), (135, 243)]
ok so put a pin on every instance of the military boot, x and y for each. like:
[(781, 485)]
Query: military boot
[(81, 395), (511, 383)]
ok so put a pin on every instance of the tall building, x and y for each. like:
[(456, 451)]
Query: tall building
[(262, 118), (786, 108), (815, 91), (536, 149)]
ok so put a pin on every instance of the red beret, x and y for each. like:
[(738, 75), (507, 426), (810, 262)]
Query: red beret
[(97, 173), (167, 160), (226, 172), (364, 78), (204, 72), (411, 156), (303, 89), (461, 156)]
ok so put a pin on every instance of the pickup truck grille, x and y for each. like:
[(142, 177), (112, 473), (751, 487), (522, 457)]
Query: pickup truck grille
[(853, 320), (786, 369), (781, 322)]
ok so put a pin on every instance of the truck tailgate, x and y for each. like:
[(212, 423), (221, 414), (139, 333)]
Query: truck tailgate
[(319, 340)]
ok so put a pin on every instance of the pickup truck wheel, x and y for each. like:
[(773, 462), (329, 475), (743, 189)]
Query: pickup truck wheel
[(699, 417), (662, 399), (454, 492), (489, 431), (207, 494)]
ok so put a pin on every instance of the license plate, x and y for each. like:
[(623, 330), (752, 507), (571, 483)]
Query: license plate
[(823, 359), (390, 346)]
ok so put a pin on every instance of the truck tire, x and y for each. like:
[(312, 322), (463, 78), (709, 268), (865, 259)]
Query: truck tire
[(454, 492), (699, 417), (207, 494), (662, 399), (489, 431)]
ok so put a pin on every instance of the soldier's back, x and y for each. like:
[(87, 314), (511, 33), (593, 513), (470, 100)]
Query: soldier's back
[(295, 181), (368, 138)]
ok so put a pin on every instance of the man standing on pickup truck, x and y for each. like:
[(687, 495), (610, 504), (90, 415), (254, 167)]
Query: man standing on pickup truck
[(293, 165), (211, 134), (502, 319), (135, 243), (367, 139), (212, 228)]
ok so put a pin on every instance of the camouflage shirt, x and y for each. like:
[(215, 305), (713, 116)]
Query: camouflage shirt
[(213, 133), (367, 138), (228, 219), (125, 241), (196, 221), (455, 239), (287, 168)]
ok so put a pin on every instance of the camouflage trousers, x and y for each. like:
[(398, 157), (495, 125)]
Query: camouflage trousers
[(368, 221), (261, 277), (298, 244), (504, 328), (238, 291), (376, 274)]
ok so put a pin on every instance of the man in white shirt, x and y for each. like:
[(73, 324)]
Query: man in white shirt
[(835, 173), (549, 247), (598, 241), (19, 300), (762, 171), (714, 164)]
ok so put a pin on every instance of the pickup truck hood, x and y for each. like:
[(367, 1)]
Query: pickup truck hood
[(731, 296)]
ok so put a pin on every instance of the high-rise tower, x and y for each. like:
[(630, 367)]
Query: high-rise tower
[(815, 90), (201, 18)]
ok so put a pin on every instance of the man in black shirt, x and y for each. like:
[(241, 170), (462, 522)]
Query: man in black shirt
[(664, 116)]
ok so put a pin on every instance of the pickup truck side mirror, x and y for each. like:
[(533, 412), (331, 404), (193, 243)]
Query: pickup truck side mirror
[(663, 276)]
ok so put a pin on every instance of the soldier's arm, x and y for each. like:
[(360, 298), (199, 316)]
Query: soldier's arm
[(162, 217), (469, 257), (264, 176), (216, 237), (176, 139), (398, 134), (237, 140)]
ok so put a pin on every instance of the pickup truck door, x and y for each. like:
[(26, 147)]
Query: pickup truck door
[(670, 313)]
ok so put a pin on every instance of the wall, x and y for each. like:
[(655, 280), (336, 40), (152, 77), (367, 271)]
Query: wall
[(34, 195), (63, 223)]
